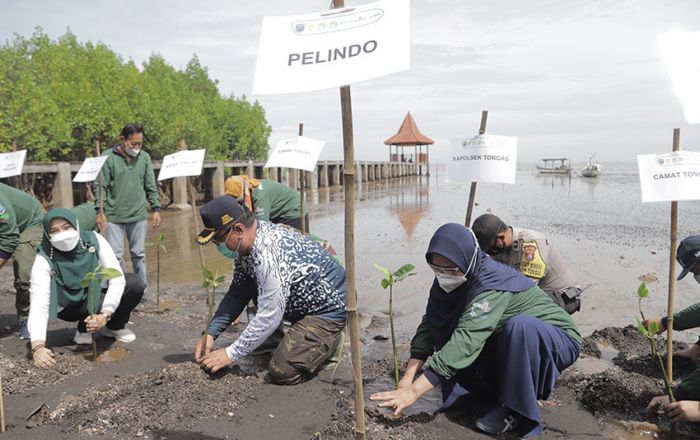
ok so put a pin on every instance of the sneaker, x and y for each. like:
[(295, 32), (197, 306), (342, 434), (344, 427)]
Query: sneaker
[(82, 338), (23, 329), (497, 421), (121, 335)]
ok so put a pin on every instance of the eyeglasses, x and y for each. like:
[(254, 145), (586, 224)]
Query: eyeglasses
[(446, 270), (222, 236)]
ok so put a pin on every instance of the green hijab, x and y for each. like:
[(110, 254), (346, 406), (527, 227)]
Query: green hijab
[(69, 268)]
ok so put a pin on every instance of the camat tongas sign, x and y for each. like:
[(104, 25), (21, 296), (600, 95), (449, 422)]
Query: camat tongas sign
[(332, 48)]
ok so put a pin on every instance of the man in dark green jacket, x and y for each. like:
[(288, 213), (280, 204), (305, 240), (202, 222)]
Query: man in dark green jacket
[(687, 393), (20, 235), (128, 184)]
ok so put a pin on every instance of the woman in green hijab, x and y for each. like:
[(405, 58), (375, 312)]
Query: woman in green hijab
[(65, 256)]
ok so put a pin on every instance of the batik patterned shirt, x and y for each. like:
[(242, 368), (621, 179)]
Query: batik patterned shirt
[(291, 275)]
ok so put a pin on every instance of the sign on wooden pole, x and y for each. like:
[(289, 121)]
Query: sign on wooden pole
[(11, 163), (300, 53)]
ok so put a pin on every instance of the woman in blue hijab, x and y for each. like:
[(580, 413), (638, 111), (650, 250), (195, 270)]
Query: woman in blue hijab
[(488, 331)]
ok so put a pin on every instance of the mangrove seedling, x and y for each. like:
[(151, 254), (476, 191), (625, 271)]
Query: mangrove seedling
[(159, 247), (389, 280), (211, 282), (650, 332), (92, 281)]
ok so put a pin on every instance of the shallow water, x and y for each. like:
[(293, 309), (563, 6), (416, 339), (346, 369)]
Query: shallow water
[(600, 225), (107, 356)]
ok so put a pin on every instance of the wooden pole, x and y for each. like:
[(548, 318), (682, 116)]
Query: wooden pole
[(2, 407), (302, 175), (99, 189), (349, 187), (472, 190), (672, 271)]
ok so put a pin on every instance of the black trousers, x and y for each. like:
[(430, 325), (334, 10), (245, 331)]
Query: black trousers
[(133, 291)]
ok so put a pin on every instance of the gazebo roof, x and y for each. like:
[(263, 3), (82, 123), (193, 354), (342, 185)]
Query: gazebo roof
[(408, 134)]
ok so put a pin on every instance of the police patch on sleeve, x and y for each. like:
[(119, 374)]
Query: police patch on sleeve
[(4, 215), (531, 263)]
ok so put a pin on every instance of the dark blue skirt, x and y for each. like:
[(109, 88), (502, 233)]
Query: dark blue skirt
[(517, 367)]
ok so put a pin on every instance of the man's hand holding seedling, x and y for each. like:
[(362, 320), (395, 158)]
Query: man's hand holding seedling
[(216, 360), (650, 322)]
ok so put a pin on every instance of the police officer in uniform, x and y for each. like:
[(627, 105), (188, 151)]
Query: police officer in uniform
[(531, 253)]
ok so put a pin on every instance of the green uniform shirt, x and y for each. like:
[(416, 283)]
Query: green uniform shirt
[(85, 213), (18, 212), (274, 202), (126, 186), (683, 320), (486, 314)]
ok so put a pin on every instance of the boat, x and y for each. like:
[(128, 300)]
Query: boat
[(592, 169), (554, 166)]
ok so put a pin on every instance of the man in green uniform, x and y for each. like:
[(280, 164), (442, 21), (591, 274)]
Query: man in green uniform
[(533, 255), (20, 235), (128, 183), (687, 393)]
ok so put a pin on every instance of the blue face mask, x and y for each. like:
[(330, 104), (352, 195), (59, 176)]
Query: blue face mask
[(226, 252)]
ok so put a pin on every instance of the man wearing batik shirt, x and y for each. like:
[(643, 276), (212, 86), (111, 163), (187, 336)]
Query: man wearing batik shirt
[(293, 278)]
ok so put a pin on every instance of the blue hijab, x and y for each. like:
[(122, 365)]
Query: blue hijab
[(458, 244)]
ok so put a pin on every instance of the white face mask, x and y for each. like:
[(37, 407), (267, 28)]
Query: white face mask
[(697, 278), (448, 283), (66, 241), (132, 151)]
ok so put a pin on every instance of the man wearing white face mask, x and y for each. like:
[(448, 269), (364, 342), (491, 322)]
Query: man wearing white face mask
[(65, 256), (128, 184), (687, 393)]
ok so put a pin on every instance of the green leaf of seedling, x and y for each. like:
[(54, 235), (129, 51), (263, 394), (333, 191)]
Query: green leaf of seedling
[(85, 282), (642, 291), (385, 283), (403, 272), (161, 237), (386, 271), (206, 284), (163, 248), (653, 328), (641, 328), (219, 280), (207, 273), (149, 244), (108, 273)]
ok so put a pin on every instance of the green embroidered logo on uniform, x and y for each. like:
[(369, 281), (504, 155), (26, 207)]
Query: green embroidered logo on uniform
[(4, 215)]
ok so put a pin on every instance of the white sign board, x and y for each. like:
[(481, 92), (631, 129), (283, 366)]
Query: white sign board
[(671, 176), (483, 158), (11, 163), (182, 163), (90, 169), (680, 51), (333, 48), (297, 152)]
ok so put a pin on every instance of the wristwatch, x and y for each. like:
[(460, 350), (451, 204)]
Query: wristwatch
[(107, 316)]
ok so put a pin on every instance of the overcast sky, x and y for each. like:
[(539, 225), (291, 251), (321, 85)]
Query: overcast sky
[(567, 77)]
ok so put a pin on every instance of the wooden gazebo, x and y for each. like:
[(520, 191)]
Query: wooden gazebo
[(409, 136)]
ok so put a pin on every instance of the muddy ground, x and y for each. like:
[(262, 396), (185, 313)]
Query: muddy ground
[(153, 390)]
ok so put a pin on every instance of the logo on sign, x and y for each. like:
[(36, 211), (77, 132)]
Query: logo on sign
[(337, 23), (675, 159)]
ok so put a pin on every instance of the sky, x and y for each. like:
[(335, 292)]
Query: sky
[(568, 78)]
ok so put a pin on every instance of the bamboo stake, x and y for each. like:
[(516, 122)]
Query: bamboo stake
[(672, 271), (302, 175), (2, 407), (99, 188), (199, 248), (472, 190), (349, 188)]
